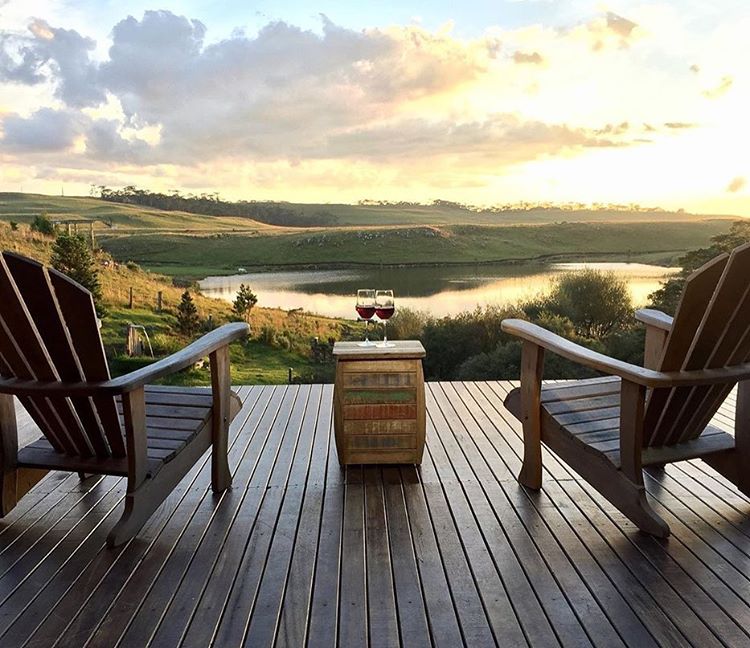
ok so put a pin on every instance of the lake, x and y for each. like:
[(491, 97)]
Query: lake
[(444, 290)]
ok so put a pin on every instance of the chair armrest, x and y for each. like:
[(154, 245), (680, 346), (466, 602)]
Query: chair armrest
[(652, 317), (626, 371), (193, 352), (202, 347)]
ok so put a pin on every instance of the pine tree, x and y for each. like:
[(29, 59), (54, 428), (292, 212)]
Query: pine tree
[(71, 256), (244, 302), (187, 315)]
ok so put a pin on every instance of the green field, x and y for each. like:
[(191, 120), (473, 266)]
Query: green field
[(113, 217), (201, 255), (180, 243)]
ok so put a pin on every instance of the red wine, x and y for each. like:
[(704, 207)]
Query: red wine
[(366, 312), (384, 312)]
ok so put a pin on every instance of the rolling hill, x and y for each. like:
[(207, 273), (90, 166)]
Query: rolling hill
[(182, 243)]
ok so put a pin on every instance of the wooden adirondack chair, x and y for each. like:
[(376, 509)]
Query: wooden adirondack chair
[(608, 429), (52, 359)]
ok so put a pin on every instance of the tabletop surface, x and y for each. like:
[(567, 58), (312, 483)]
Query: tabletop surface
[(400, 349)]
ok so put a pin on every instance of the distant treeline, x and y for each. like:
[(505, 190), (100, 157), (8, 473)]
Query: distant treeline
[(522, 206), (212, 205)]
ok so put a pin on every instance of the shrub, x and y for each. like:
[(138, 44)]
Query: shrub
[(13, 226), (597, 303), (43, 225), (407, 324), (667, 297)]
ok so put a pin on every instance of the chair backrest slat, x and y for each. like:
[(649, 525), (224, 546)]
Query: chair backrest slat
[(26, 357), (35, 407), (78, 311), (721, 339), (732, 348), (38, 294), (696, 296)]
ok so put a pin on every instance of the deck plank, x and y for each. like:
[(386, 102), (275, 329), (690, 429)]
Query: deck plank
[(455, 552)]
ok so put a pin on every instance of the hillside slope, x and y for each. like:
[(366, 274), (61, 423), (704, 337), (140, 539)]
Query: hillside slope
[(280, 340), (224, 253)]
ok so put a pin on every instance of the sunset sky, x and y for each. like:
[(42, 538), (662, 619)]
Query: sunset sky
[(483, 102)]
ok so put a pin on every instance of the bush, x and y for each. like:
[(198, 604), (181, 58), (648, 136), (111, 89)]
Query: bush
[(132, 265), (164, 344), (597, 303), (43, 225), (667, 297), (407, 324), (13, 226), (450, 341)]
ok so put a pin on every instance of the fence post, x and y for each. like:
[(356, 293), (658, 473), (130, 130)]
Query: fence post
[(130, 301), (158, 301)]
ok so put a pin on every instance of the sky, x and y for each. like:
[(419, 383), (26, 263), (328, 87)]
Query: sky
[(481, 102)]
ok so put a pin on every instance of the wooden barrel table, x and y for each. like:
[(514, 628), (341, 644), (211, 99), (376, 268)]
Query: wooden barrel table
[(378, 398)]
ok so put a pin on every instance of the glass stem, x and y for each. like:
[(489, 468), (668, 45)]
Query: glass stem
[(385, 332), (367, 339)]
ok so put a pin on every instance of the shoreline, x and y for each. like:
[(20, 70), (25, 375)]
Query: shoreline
[(546, 259)]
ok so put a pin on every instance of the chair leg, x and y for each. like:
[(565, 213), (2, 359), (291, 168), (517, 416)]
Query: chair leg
[(221, 477), (138, 509), (531, 470), (640, 512)]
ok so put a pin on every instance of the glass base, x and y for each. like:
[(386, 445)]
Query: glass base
[(366, 343), (385, 345)]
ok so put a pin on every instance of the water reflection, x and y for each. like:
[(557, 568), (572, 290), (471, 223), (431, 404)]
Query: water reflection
[(440, 291)]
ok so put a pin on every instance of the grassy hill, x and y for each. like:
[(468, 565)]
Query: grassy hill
[(280, 340), (223, 253), (113, 217), (181, 243)]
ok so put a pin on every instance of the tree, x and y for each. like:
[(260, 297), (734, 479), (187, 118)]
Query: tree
[(187, 315), (668, 296), (244, 302), (597, 303), (71, 256), (43, 225)]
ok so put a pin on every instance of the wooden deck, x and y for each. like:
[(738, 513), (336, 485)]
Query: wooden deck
[(300, 552)]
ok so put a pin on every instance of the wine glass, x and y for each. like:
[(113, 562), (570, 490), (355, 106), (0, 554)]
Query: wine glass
[(384, 308), (366, 309)]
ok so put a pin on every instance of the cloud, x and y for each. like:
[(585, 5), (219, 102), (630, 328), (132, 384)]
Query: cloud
[(52, 53), (46, 130), (737, 184), (679, 125), (404, 103), (532, 57), (723, 86), (279, 92), (610, 29), (104, 142), (501, 138), (620, 26)]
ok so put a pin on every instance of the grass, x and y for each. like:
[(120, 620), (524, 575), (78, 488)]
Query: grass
[(177, 254), (279, 340), (179, 243), (111, 217)]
